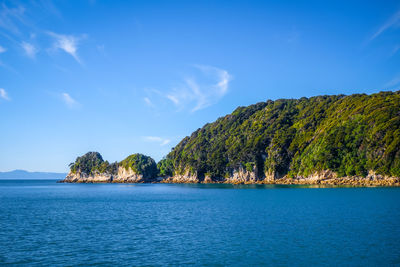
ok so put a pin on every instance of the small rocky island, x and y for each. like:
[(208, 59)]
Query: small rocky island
[(332, 140), (91, 168)]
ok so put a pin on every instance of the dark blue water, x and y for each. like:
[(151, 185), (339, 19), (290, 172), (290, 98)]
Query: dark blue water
[(44, 223)]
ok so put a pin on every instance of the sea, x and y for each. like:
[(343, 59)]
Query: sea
[(44, 223)]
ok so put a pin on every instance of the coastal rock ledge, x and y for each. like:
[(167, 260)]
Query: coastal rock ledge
[(327, 177), (123, 176)]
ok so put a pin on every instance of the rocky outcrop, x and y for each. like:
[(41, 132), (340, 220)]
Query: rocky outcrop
[(186, 178), (80, 177), (128, 176), (91, 168), (242, 176), (326, 177), (330, 178), (123, 176)]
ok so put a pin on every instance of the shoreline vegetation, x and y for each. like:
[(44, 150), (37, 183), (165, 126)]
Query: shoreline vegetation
[(324, 140)]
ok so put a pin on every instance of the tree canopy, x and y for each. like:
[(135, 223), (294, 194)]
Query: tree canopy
[(140, 164), (349, 135), (92, 163)]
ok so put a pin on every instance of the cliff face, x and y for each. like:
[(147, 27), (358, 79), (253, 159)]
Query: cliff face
[(123, 176), (129, 176), (186, 178), (80, 177), (242, 176)]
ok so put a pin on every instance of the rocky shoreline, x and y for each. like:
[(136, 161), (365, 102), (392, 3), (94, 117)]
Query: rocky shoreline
[(319, 178), (122, 176), (323, 178), (345, 181)]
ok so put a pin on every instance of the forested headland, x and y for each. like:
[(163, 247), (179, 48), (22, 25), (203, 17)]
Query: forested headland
[(287, 139)]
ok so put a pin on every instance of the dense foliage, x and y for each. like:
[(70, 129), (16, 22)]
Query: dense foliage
[(140, 164), (92, 163), (165, 167), (349, 135)]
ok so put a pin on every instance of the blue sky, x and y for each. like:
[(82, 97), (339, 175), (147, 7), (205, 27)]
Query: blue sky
[(121, 77)]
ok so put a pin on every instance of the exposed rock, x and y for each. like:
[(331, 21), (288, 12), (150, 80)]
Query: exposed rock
[(123, 176), (187, 178), (270, 177), (128, 176), (326, 177), (242, 176), (80, 177)]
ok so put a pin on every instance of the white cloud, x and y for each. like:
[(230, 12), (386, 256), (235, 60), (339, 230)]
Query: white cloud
[(67, 43), (223, 77), (3, 94), (30, 50), (157, 139), (202, 90), (148, 102), (165, 142), (69, 101), (174, 99), (2, 49), (393, 21)]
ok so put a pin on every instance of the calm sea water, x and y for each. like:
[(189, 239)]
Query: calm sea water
[(45, 223)]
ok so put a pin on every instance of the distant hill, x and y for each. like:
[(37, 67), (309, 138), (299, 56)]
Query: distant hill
[(21, 174)]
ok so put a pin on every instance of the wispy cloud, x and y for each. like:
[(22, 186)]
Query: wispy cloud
[(173, 98), (67, 43), (4, 95), (148, 102), (157, 139), (30, 49), (393, 21), (395, 49), (395, 82), (69, 101), (202, 90), (11, 17), (2, 49)]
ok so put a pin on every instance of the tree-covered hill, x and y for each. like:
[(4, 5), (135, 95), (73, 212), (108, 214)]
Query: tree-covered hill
[(92, 164), (140, 164), (349, 135)]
